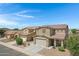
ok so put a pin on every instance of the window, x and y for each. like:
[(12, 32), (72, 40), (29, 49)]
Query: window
[(43, 30), (57, 30), (62, 31)]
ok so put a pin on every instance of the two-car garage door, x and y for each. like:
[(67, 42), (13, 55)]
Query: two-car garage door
[(41, 42)]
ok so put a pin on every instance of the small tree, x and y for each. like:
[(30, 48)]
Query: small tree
[(15, 29), (75, 50), (73, 31), (73, 45), (19, 41), (2, 32)]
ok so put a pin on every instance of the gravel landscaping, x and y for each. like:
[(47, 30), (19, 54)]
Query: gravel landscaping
[(20, 46), (6, 40), (54, 52)]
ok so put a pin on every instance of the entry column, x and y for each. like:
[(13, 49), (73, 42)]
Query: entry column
[(62, 43), (54, 42), (34, 40)]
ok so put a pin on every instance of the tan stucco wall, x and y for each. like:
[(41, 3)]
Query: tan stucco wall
[(9, 36), (28, 30), (28, 37), (39, 32)]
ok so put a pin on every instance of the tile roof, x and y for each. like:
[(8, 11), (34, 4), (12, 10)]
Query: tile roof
[(30, 27), (58, 26), (10, 32)]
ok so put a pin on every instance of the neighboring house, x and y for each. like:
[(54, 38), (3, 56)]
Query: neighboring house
[(77, 31), (51, 35), (28, 33), (25, 33), (9, 34)]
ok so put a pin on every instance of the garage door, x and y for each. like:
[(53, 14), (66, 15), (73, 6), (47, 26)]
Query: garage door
[(41, 42)]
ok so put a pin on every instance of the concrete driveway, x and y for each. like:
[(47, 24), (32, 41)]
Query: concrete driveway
[(34, 48), (5, 51)]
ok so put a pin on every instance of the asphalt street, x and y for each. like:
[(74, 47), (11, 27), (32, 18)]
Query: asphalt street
[(5, 51)]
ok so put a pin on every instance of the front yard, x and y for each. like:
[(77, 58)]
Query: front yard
[(36, 49), (54, 52), (5, 40)]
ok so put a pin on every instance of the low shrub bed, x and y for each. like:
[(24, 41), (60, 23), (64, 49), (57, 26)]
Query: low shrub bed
[(61, 49)]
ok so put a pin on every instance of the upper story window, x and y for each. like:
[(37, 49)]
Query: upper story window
[(59, 30), (43, 30)]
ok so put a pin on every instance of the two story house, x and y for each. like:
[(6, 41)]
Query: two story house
[(51, 35)]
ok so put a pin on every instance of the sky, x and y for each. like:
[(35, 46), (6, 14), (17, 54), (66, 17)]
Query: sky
[(20, 15)]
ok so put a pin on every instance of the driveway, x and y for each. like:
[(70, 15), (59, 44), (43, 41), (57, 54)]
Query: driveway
[(5, 51), (34, 48)]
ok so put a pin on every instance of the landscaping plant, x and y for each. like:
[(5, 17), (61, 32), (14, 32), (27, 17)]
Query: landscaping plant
[(72, 44), (19, 41), (61, 49)]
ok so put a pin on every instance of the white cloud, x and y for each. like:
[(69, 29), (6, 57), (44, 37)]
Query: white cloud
[(23, 11), (27, 11), (7, 22), (21, 14), (25, 16), (4, 14)]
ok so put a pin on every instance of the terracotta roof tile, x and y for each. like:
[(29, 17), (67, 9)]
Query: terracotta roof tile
[(58, 26), (10, 32)]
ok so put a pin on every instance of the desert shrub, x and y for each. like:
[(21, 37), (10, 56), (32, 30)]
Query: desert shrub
[(73, 31), (72, 45), (2, 33), (61, 49), (19, 41), (75, 50)]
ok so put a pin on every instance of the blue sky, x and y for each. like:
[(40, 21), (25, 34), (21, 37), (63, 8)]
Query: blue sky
[(30, 14)]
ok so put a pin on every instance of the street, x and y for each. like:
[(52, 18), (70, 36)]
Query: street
[(5, 51)]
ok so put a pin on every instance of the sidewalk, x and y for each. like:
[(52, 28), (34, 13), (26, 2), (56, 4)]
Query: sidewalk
[(20, 50)]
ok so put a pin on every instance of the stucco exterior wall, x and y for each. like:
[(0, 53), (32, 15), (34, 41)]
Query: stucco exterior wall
[(28, 37), (26, 30), (40, 32)]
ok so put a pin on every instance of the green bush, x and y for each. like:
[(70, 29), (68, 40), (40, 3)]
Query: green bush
[(19, 41), (73, 31), (61, 49)]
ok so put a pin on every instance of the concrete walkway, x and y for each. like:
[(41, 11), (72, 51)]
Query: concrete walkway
[(25, 51)]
